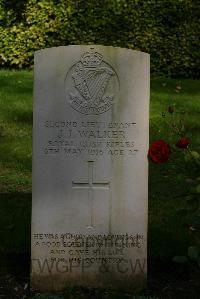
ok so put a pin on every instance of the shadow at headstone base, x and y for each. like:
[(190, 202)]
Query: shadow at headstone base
[(15, 233), (15, 265)]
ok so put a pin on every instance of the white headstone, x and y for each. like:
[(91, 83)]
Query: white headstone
[(90, 169)]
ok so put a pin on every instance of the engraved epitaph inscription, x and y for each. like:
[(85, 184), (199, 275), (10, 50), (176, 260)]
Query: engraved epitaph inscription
[(94, 84)]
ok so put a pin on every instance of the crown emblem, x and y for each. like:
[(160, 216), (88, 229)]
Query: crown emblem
[(95, 84), (91, 59)]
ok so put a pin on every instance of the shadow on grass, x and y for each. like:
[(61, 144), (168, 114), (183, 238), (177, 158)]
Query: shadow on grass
[(15, 223), (15, 235), (22, 116), (189, 87)]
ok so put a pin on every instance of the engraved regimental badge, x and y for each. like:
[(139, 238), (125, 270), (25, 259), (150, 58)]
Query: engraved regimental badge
[(91, 84)]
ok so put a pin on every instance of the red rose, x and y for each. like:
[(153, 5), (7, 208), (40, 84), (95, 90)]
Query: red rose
[(159, 151), (183, 142)]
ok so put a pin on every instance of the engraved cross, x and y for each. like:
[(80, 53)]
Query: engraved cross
[(90, 185)]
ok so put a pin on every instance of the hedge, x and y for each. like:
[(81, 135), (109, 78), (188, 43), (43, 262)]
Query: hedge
[(167, 29)]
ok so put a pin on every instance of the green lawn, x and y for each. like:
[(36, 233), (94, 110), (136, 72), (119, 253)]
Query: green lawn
[(15, 131), (170, 184)]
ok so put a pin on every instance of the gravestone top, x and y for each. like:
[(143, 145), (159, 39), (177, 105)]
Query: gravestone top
[(90, 168)]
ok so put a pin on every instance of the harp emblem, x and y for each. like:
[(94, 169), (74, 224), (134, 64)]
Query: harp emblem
[(94, 84)]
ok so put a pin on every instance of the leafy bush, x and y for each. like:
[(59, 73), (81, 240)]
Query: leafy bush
[(167, 29)]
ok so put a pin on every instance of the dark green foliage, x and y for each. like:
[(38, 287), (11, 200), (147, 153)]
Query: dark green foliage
[(167, 29)]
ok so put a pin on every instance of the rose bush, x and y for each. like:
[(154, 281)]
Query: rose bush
[(185, 165), (159, 151)]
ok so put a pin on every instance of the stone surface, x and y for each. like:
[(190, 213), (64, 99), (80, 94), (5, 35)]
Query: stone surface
[(90, 169)]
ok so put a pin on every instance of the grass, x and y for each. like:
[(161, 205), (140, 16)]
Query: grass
[(168, 208), (15, 131)]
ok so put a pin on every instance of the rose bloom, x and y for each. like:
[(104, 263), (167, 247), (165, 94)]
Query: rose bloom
[(159, 151), (183, 142)]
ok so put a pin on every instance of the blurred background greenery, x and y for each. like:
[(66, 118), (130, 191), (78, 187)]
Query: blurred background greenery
[(167, 29)]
